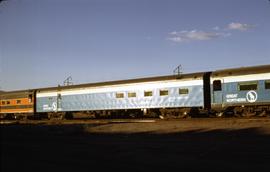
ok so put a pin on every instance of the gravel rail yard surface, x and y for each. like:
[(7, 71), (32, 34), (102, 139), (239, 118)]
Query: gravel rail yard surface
[(217, 144)]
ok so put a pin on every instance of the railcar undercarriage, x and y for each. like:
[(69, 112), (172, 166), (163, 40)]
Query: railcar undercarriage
[(163, 113), (245, 111)]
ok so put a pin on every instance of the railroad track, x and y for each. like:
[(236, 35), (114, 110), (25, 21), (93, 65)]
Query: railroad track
[(107, 121), (77, 121)]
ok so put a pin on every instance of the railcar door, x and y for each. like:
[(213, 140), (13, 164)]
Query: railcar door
[(58, 102), (217, 91)]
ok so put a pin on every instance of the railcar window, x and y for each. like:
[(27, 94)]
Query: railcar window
[(243, 86), (119, 95), (217, 85), (183, 91), (267, 84), (8, 102), (148, 93), (131, 94), (164, 92), (3, 102), (30, 98), (18, 101)]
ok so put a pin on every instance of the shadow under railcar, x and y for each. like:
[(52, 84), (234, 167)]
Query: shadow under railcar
[(82, 147)]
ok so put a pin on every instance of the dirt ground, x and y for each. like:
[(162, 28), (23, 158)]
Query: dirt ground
[(225, 144)]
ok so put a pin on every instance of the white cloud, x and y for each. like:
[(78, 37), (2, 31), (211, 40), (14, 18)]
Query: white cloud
[(194, 35), (239, 26), (214, 33)]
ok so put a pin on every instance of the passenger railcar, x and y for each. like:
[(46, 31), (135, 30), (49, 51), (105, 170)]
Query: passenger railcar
[(241, 91), (147, 95), (17, 104)]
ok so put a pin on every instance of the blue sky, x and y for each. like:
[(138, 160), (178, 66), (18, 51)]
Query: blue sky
[(42, 42)]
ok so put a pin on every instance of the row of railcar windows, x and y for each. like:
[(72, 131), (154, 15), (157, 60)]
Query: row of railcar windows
[(8, 102), (5, 102), (242, 86), (182, 91), (252, 85)]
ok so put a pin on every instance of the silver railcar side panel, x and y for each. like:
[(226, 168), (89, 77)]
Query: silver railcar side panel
[(108, 100)]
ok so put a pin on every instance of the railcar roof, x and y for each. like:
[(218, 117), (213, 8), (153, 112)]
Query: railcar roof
[(242, 71), (223, 72), (10, 94), (127, 81)]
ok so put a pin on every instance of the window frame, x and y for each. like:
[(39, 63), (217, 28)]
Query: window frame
[(30, 98), (132, 94), (247, 83), (186, 91), (217, 87), (145, 92), (119, 95), (162, 91)]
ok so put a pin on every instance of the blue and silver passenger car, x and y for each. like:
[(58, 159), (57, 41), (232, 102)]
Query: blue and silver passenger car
[(173, 91), (241, 87)]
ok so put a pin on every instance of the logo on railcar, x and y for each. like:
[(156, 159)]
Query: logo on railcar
[(252, 96), (54, 106), (231, 98)]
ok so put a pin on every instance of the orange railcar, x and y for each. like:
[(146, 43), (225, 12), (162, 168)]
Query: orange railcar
[(17, 104)]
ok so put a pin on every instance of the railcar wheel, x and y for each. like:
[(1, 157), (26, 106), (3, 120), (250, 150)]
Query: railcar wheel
[(49, 116), (25, 117), (97, 116), (68, 115), (15, 117), (194, 112), (263, 114), (9, 116), (161, 117), (219, 114), (249, 112)]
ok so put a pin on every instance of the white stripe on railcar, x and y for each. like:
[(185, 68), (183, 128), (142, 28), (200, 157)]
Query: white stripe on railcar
[(242, 78), (47, 94), (125, 87)]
